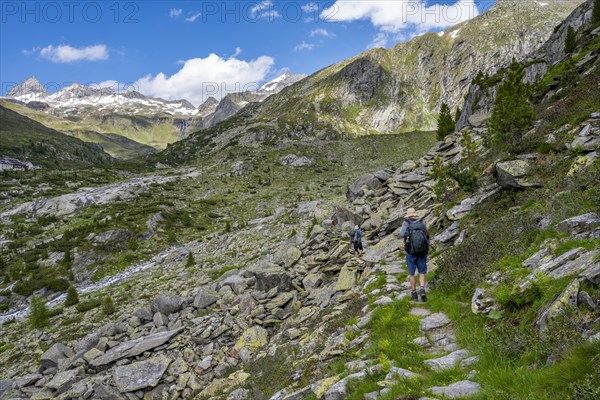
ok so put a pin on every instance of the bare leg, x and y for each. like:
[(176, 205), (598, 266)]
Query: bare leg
[(421, 280), (413, 282)]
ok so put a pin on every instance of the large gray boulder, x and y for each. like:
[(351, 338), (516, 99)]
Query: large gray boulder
[(370, 181), (269, 276), (91, 340), (57, 352), (63, 381), (579, 224), (342, 215), (513, 175), (141, 374), (205, 298), (105, 392), (6, 385), (168, 304), (134, 347)]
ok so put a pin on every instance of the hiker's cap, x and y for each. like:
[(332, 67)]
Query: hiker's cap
[(356, 227), (411, 213)]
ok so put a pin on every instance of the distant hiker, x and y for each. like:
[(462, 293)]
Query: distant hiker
[(356, 239), (416, 245)]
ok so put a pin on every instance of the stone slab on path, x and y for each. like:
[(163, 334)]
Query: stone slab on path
[(420, 312), (434, 321), (447, 362), (457, 390)]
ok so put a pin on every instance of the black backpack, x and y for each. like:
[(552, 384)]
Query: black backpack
[(417, 241)]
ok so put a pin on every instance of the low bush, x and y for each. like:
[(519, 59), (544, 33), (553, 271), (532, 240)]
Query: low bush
[(88, 305)]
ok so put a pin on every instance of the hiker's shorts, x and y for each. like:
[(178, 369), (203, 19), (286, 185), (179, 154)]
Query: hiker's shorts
[(357, 246), (413, 262)]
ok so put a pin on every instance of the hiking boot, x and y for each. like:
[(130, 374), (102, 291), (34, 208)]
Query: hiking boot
[(414, 297), (423, 296)]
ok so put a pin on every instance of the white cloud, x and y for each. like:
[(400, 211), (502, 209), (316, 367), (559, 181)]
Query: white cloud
[(265, 9), (393, 16), (33, 50), (304, 46), (200, 78), (322, 32), (380, 40), (193, 18), (310, 7), (175, 12), (238, 51), (67, 54)]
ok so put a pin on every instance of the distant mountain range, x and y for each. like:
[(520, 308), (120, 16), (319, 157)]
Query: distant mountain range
[(149, 121)]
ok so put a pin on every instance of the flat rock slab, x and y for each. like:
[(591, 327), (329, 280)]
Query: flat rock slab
[(447, 362), (457, 390), (434, 321), (420, 312), (134, 347), (141, 374)]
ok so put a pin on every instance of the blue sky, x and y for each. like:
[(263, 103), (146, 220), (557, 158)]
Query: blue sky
[(173, 49)]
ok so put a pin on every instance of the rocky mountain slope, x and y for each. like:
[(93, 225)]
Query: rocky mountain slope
[(395, 90), (25, 139), (257, 295)]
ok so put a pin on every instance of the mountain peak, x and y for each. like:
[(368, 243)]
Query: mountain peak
[(30, 89)]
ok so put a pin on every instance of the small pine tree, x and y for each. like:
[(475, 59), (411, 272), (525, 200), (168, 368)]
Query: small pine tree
[(190, 260), (457, 114), (445, 122), (513, 112), (108, 306), (228, 226), (38, 313), (569, 76), (72, 297), (469, 147), (67, 260), (571, 40), (596, 13)]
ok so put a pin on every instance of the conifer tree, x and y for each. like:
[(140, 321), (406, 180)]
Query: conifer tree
[(596, 13), (72, 297), (571, 40), (513, 112), (190, 260), (457, 115), (445, 122), (38, 313)]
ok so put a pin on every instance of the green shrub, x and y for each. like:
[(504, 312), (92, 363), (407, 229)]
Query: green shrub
[(511, 298), (108, 306), (88, 305), (72, 297), (38, 313), (36, 283)]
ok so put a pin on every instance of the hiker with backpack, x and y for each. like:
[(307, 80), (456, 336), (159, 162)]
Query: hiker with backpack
[(356, 239), (416, 244)]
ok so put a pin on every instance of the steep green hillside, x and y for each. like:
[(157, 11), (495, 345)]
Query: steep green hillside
[(25, 139), (118, 146)]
